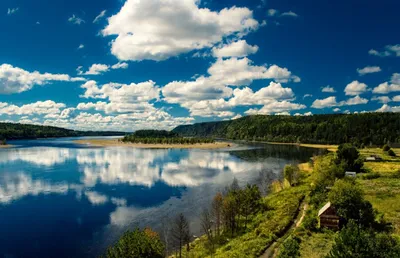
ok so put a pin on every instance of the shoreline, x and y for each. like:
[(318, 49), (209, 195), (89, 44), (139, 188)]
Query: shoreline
[(116, 143), (329, 147), (6, 146)]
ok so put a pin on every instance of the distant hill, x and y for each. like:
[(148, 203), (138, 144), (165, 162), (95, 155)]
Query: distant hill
[(367, 128), (11, 131)]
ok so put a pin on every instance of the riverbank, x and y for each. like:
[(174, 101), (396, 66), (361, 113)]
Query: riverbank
[(5, 146), (331, 148), (118, 143)]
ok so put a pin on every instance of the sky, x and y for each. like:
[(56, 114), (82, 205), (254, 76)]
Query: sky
[(156, 64)]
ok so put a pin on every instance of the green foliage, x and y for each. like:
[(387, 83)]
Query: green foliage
[(3, 142), (353, 241), (386, 147), (348, 200), (371, 175), (290, 248), (348, 156), (291, 174), (310, 221), (162, 137), (137, 244), (12, 131), (391, 153), (369, 128)]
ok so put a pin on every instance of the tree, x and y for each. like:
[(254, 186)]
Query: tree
[(3, 142), (386, 147), (349, 157), (250, 202), (229, 211), (181, 232), (391, 153), (217, 211), (291, 174), (207, 225), (348, 200), (290, 248), (356, 242), (137, 244)]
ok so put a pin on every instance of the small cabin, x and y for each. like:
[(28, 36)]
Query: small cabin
[(328, 217), (350, 174)]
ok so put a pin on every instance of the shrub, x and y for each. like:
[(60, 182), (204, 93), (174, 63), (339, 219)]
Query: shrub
[(310, 221), (386, 147), (371, 175), (391, 153), (290, 248)]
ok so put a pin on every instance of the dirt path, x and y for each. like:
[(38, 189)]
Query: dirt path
[(272, 250)]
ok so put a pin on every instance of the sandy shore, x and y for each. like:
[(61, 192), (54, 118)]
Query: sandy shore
[(5, 146), (116, 143)]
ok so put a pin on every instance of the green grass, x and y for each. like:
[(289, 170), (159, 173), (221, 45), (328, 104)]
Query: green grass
[(263, 229), (384, 194), (316, 245)]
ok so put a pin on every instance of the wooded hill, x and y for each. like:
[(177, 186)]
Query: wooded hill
[(11, 131), (366, 129)]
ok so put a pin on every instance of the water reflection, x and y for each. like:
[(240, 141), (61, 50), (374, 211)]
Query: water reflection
[(104, 191)]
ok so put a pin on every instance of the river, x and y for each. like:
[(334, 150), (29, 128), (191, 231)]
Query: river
[(61, 199)]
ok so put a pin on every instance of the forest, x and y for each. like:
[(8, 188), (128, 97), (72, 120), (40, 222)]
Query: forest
[(163, 137), (11, 131), (360, 129)]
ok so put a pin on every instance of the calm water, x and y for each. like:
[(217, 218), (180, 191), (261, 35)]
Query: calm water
[(59, 199)]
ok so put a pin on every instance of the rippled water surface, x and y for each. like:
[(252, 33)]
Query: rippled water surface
[(59, 199)]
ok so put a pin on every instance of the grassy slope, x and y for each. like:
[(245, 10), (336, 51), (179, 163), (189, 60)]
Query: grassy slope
[(263, 229)]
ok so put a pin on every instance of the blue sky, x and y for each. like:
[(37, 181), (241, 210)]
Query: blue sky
[(127, 65)]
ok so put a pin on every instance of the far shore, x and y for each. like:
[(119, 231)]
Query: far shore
[(309, 145), (5, 146), (117, 143)]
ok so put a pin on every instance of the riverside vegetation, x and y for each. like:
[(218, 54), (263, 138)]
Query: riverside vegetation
[(241, 222), (162, 137)]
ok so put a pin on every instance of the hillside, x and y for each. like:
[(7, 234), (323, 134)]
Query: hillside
[(368, 128), (11, 131)]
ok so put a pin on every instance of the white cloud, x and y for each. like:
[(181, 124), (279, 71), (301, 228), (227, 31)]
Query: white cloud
[(368, 69), (382, 99), (290, 14), (40, 107), (100, 16), (96, 69), (81, 46), (75, 20), (355, 88), (307, 96), (387, 108), (235, 49), (272, 12), (396, 98), (385, 87), (323, 103), (155, 30), (336, 110), (331, 102), (328, 89), (120, 65), (16, 80), (12, 11), (389, 51), (275, 107)]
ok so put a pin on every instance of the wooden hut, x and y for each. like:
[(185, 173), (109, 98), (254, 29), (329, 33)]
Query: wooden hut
[(328, 217)]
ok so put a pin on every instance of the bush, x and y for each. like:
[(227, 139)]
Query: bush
[(391, 153), (386, 147), (371, 175), (137, 244), (310, 221), (290, 248)]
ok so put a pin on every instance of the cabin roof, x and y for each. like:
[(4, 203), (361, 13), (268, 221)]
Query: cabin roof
[(323, 209)]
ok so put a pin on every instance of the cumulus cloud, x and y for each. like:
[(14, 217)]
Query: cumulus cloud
[(100, 16), (235, 49), (75, 20), (355, 88), (154, 30), (396, 98), (272, 12), (387, 108), (382, 99), (81, 46), (386, 87), (275, 107), (39, 108), (331, 102), (307, 96), (368, 69), (328, 89), (95, 69), (16, 80), (390, 50)]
